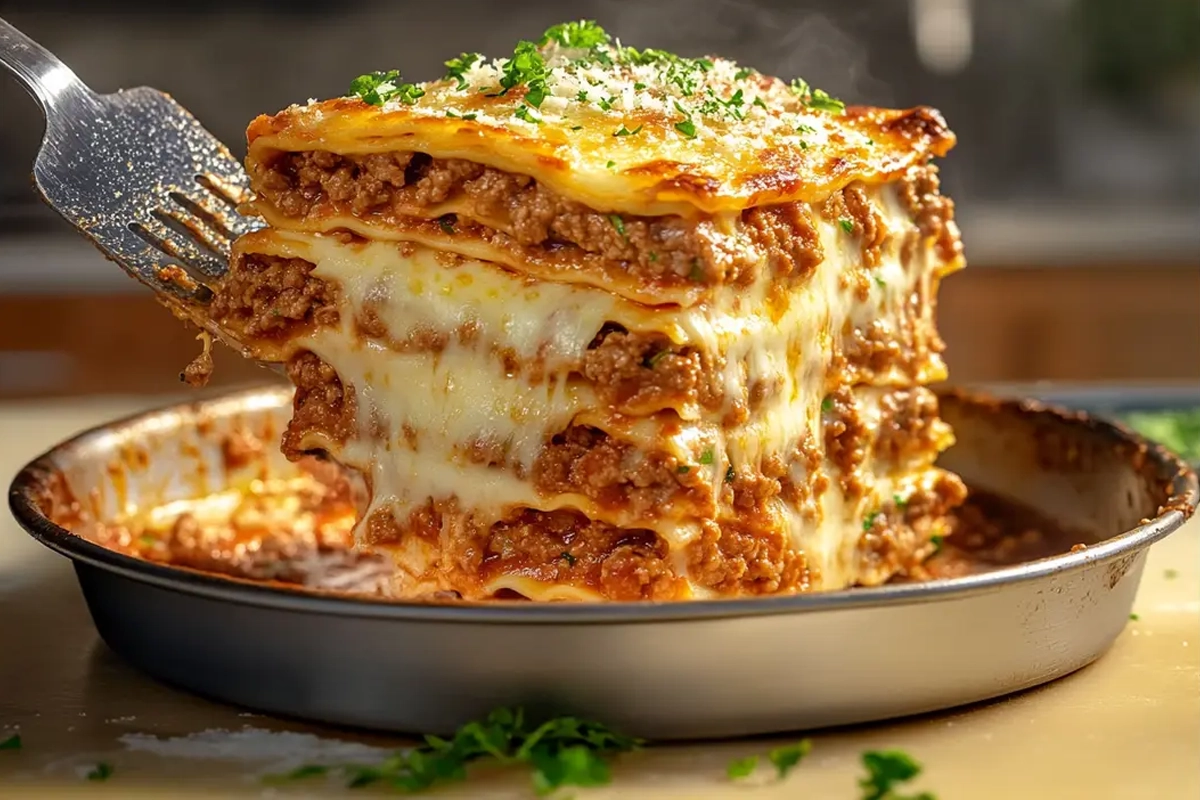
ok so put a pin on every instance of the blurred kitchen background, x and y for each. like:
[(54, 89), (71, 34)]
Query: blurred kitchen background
[(1077, 174)]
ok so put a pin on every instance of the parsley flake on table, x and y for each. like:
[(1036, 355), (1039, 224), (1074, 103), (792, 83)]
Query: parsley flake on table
[(101, 772), (562, 751), (886, 769), (741, 767), (786, 758), (11, 743)]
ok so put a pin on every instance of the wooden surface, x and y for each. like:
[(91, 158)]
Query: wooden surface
[(1125, 728), (1065, 323)]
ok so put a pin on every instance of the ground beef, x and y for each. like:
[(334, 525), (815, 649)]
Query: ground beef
[(321, 404), (847, 440), (728, 559), (273, 298), (931, 211), (906, 427), (617, 475), (897, 537), (395, 185), (639, 373)]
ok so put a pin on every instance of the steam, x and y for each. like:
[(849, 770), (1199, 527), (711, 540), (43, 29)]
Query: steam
[(786, 41)]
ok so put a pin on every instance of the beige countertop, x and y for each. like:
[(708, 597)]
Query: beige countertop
[(1126, 727)]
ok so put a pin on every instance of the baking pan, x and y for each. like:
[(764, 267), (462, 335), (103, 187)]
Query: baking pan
[(659, 670)]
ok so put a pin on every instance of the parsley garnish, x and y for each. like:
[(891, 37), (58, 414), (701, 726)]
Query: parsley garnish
[(1134, 617), (582, 35), (937, 542), (683, 469), (524, 113), (885, 769), (617, 223), (847, 224), (625, 132), (743, 73), (582, 96), (11, 743), (802, 128), (899, 501), (567, 557), (528, 68), (564, 751), (786, 758), (880, 282), (639, 86), (376, 88), (447, 223), (610, 164), (869, 522), (657, 357), (816, 99), (456, 68), (741, 767), (827, 404), (653, 256), (455, 115), (697, 273), (758, 101), (706, 457), (687, 128), (100, 772), (605, 103)]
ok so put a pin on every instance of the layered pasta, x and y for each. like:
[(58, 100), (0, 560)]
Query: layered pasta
[(596, 323)]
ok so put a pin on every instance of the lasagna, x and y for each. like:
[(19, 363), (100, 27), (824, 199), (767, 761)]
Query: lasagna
[(600, 323)]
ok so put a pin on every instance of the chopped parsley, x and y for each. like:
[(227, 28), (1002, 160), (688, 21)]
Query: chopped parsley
[(786, 758), (937, 542), (582, 35), (847, 224), (802, 128), (880, 282), (741, 767), (605, 103), (653, 256), (456, 68), (639, 86), (697, 273), (899, 501), (816, 99), (455, 115), (377, 88), (743, 73), (11, 743), (610, 165), (525, 68), (1170, 574), (618, 223), (626, 132), (885, 770), (582, 96), (827, 404), (706, 457), (446, 222), (101, 772), (683, 469), (758, 101), (869, 522), (524, 113), (1134, 617), (657, 357), (1176, 429), (563, 751), (686, 127), (567, 557)]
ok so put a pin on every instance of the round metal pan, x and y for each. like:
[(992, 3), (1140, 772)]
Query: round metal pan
[(658, 670)]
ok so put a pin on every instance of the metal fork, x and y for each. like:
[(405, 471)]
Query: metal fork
[(138, 176)]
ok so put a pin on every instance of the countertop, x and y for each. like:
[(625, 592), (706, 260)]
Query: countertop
[(1125, 727)]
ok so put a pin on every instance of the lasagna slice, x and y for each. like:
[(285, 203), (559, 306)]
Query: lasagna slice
[(597, 323)]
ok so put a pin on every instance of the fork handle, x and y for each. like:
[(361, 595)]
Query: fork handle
[(42, 74)]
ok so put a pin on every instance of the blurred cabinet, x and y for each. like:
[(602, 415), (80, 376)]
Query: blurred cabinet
[(1010, 324)]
